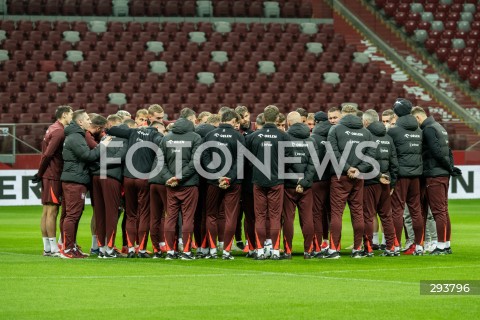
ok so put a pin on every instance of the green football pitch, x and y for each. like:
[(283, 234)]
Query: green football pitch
[(36, 287)]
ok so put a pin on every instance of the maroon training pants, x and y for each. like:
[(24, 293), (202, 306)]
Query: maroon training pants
[(74, 195), (376, 199), (268, 204), (345, 190), (437, 197), (249, 212), (158, 202), (137, 202), (407, 190), (304, 202), (184, 199), (321, 212), (108, 195), (229, 200)]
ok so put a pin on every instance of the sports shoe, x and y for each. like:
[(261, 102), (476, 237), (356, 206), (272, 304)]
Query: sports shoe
[(333, 255), (186, 256), (79, 250), (69, 255), (100, 255), (410, 250), (131, 254), (437, 252), (387, 253), (143, 255), (286, 256), (375, 246), (408, 244), (55, 254), (307, 256), (227, 257), (383, 247), (368, 254), (448, 250), (324, 245), (157, 255), (60, 246), (199, 255), (170, 256), (78, 253), (319, 255), (211, 256), (357, 254), (418, 253), (47, 253), (251, 255), (275, 257), (112, 255), (94, 252), (260, 257)]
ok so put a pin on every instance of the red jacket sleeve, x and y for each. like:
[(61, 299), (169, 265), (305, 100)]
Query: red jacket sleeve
[(56, 141)]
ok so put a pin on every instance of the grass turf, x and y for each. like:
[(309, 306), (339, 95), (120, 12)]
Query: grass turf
[(32, 286)]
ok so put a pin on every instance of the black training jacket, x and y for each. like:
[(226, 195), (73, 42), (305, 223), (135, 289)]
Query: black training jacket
[(228, 137), (300, 135), (77, 155), (143, 157), (437, 156), (407, 138), (350, 130), (175, 142), (320, 134), (204, 129), (114, 170), (266, 140), (386, 154)]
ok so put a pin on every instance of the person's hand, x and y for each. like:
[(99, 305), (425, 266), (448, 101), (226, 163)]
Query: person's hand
[(391, 191), (106, 140), (36, 179), (299, 189), (456, 171), (384, 179), (224, 183), (172, 182), (353, 173)]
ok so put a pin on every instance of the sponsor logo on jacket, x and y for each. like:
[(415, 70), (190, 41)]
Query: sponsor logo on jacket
[(411, 135), (353, 133)]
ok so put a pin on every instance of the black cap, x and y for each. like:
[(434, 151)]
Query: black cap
[(320, 116), (402, 107)]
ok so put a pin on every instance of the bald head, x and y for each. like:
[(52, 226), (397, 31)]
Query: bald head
[(294, 117)]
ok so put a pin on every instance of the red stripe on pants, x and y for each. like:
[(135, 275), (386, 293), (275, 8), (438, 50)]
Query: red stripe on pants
[(267, 204), (304, 202), (137, 201), (341, 191), (437, 197), (185, 199), (407, 190), (74, 195), (158, 202)]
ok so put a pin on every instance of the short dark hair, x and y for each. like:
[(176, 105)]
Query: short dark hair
[(78, 114), (128, 122), (223, 109), (303, 112), (281, 117), (359, 113), (260, 119), (334, 109), (187, 113), (229, 115), (157, 123), (114, 119), (214, 118), (99, 121), (270, 114), (241, 110), (61, 110)]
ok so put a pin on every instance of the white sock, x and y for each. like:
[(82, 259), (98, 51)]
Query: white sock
[(131, 249), (53, 245), (441, 245), (220, 245), (251, 251), (162, 244), (276, 252), (109, 250), (447, 244), (260, 252), (226, 253), (435, 242), (180, 241), (330, 251), (60, 240), (94, 242), (142, 251), (268, 242), (213, 251), (189, 253), (46, 244), (170, 252), (418, 248), (397, 249), (102, 249), (384, 241), (375, 238)]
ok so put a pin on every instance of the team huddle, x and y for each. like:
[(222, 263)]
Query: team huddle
[(190, 185)]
